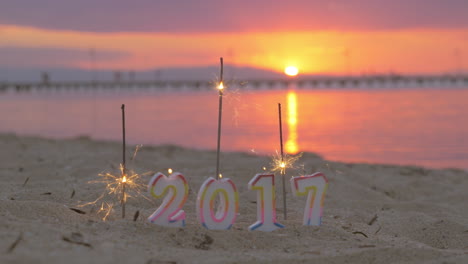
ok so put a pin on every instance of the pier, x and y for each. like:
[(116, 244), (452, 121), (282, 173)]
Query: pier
[(369, 82)]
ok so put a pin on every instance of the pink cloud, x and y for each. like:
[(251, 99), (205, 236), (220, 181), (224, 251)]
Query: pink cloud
[(236, 16)]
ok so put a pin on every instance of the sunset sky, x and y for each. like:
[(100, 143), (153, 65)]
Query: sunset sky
[(319, 37)]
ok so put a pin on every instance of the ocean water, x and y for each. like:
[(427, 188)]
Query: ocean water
[(427, 127)]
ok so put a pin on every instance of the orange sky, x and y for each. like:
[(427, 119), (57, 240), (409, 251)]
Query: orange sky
[(329, 51)]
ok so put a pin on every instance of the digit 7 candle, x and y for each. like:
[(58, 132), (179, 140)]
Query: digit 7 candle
[(264, 184), (175, 189), (314, 186), (225, 215)]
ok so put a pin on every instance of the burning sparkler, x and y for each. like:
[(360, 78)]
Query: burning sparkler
[(279, 163), (282, 164), (114, 188), (119, 186), (124, 170), (220, 111)]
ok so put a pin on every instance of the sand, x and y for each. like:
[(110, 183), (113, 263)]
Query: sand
[(372, 213)]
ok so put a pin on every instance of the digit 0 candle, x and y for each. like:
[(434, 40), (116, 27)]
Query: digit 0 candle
[(225, 215), (174, 189), (264, 184), (314, 187)]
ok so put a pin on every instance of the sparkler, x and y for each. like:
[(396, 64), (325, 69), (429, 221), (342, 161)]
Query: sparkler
[(114, 187), (119, 186), (282, 165), (124, 170), (220, 111)]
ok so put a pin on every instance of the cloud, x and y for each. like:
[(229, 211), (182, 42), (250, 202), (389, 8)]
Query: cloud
[(52, 57), (234, 16)]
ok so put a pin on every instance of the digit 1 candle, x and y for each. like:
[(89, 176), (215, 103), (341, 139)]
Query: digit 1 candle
[(175, 191), (264, 184), (314, 186), (225, 215)]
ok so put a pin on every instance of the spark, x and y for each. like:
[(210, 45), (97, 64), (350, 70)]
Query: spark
[(106, 208), (113, 188), (137, 148), (234, 100), (232, 96), (169, 171), (281, 164), (330, 168), (114, 183)]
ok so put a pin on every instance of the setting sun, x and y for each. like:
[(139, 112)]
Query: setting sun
[(291, 71)]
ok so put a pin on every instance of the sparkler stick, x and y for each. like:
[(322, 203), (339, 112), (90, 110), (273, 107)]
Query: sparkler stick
[(282, 165), (124, 172), (220, 110)]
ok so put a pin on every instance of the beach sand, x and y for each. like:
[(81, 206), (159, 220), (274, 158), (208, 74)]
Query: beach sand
[(372, 213)]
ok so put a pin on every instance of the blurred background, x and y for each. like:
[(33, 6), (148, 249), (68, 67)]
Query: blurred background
[(360, 81)]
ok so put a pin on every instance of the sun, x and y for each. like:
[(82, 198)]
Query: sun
[(291, 71)]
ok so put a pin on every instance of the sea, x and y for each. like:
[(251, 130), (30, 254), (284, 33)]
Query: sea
[(408, 126)]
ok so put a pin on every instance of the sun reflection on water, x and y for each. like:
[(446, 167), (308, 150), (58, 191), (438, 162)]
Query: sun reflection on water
[(291, 143)]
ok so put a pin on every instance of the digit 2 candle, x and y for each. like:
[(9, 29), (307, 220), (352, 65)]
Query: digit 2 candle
[(175, 191)]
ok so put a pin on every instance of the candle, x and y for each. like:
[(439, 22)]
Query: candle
[(314, 186), (264, 184), (175, 189), (225, 216)]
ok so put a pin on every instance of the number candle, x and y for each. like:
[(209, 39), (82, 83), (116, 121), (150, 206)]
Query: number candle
[(225, 215), (264, 184), (175, 189), (313, 186)]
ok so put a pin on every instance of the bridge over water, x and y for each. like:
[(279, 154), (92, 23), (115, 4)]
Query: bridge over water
[(370, 82)]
